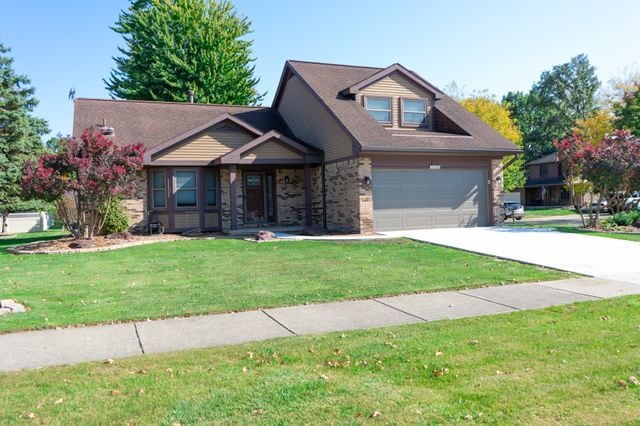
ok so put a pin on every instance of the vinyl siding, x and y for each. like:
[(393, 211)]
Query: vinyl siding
[(311, 122), (271, 150), (208, 145), (211, 220), (396, 86), (189, 219)]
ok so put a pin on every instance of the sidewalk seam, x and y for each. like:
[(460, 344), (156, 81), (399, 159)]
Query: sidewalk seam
[(491, 301), (545, 284), (135, 327), (279, 323), (399, 310)]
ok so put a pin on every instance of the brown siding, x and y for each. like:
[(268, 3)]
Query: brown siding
[(311, 122), (271, 150), (208, 145), (188, 219), (396, 86)]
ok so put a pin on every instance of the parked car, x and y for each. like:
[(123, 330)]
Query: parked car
[(633, 200), (513, 210)]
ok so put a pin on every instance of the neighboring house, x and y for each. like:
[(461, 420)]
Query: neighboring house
[(348, 148), (546, 183)]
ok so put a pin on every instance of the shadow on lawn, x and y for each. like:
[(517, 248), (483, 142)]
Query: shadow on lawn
[(22, 239)]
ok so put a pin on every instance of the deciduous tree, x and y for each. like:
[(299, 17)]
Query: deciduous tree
[(177, 46), (627, 110), (595, 127), (497, 116), (20, 133), (563, 95), (89, 171)]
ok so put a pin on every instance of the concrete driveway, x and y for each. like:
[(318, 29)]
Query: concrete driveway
[(595, 256)]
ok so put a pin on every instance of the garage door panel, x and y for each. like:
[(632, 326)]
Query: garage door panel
[(412, 198)]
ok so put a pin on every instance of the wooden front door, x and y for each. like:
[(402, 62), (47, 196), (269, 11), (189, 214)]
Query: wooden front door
[(259, 194)]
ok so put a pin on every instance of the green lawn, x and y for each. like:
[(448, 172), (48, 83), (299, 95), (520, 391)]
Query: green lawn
[(207, 276), (560, 365), (548, 211), (577, 230)]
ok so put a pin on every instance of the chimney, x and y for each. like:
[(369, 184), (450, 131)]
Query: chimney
[(190, 96), (106, 130)]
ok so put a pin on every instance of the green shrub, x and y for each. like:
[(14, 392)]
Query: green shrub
[(116, 219), (626, 218)]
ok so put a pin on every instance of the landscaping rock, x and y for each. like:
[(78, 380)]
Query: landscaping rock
[(82, 244), (11, 306), (265, 236), (195, 232), (119, 236)]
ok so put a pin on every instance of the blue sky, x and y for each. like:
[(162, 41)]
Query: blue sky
[(493, 45)]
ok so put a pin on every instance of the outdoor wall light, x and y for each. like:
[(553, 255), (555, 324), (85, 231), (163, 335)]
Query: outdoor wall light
[(286, 180), (367, 181), (499, 179)]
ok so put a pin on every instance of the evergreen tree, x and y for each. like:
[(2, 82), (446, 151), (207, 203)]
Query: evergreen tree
[(20, 132), (174, 47)]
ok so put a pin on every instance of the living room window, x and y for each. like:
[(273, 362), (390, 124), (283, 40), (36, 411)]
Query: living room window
[(414, 112), (159, 189), (210, 188), (379, 109), (186, 188)]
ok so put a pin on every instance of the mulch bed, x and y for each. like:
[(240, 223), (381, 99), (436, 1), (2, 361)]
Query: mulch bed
[(65, 244)]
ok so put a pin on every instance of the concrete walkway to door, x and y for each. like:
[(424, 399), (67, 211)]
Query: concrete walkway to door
[(589, 255), (35, 349)]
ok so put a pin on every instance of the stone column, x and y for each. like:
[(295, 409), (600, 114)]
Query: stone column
[(234, 201), (307, 195)]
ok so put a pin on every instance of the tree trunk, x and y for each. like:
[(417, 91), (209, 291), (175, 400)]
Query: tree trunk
[(574, 201), (3, 230)]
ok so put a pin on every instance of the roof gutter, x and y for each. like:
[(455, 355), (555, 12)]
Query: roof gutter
[(374, 149)]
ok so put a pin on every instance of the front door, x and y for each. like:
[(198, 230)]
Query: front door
[(258, 191)]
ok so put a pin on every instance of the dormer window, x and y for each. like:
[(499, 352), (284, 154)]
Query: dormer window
[(379, 109), (414, 112)]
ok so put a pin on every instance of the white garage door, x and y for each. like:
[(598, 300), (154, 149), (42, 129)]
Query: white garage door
[(423, 198)]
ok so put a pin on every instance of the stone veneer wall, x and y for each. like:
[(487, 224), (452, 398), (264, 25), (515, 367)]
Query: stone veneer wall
[(349, 200), (496, 191), (136, 207), (290, 197), (225, 198)]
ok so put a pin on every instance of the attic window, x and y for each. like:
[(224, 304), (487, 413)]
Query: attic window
[(414, 112), (379, 109)]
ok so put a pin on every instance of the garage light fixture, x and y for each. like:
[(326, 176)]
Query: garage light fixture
[(367, 181), (286, 180)]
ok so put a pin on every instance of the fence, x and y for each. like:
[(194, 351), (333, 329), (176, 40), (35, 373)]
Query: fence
[(28, 222)]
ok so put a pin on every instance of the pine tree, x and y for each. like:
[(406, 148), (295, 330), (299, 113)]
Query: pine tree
[(20, 132), (174, 47)]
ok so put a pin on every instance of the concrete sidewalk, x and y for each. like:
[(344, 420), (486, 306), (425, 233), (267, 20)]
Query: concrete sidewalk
[(35, 349)]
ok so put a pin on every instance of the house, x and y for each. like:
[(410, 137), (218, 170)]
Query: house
[(545, 184), (349, 148)]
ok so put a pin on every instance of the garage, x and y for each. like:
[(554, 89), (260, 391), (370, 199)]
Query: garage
[(425, 198)]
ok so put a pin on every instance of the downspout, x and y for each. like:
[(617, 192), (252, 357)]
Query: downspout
[(324, 195)]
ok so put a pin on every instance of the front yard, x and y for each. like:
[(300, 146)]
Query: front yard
[(562, 365), (548, 212), (207, 276)]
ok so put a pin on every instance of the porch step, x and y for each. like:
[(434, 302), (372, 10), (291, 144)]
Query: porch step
[(248, 232)]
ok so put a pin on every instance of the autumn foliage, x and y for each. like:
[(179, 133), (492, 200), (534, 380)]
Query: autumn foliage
[(610, 166), (86, 173)]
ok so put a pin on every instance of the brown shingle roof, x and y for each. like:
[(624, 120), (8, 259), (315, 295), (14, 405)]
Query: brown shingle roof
[(327, 81), (153, 123)]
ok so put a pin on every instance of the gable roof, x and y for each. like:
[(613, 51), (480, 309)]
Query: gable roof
[(234, 156), (332, 84), (549, 158), (354, 89), (155, 123), (224, 117)]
